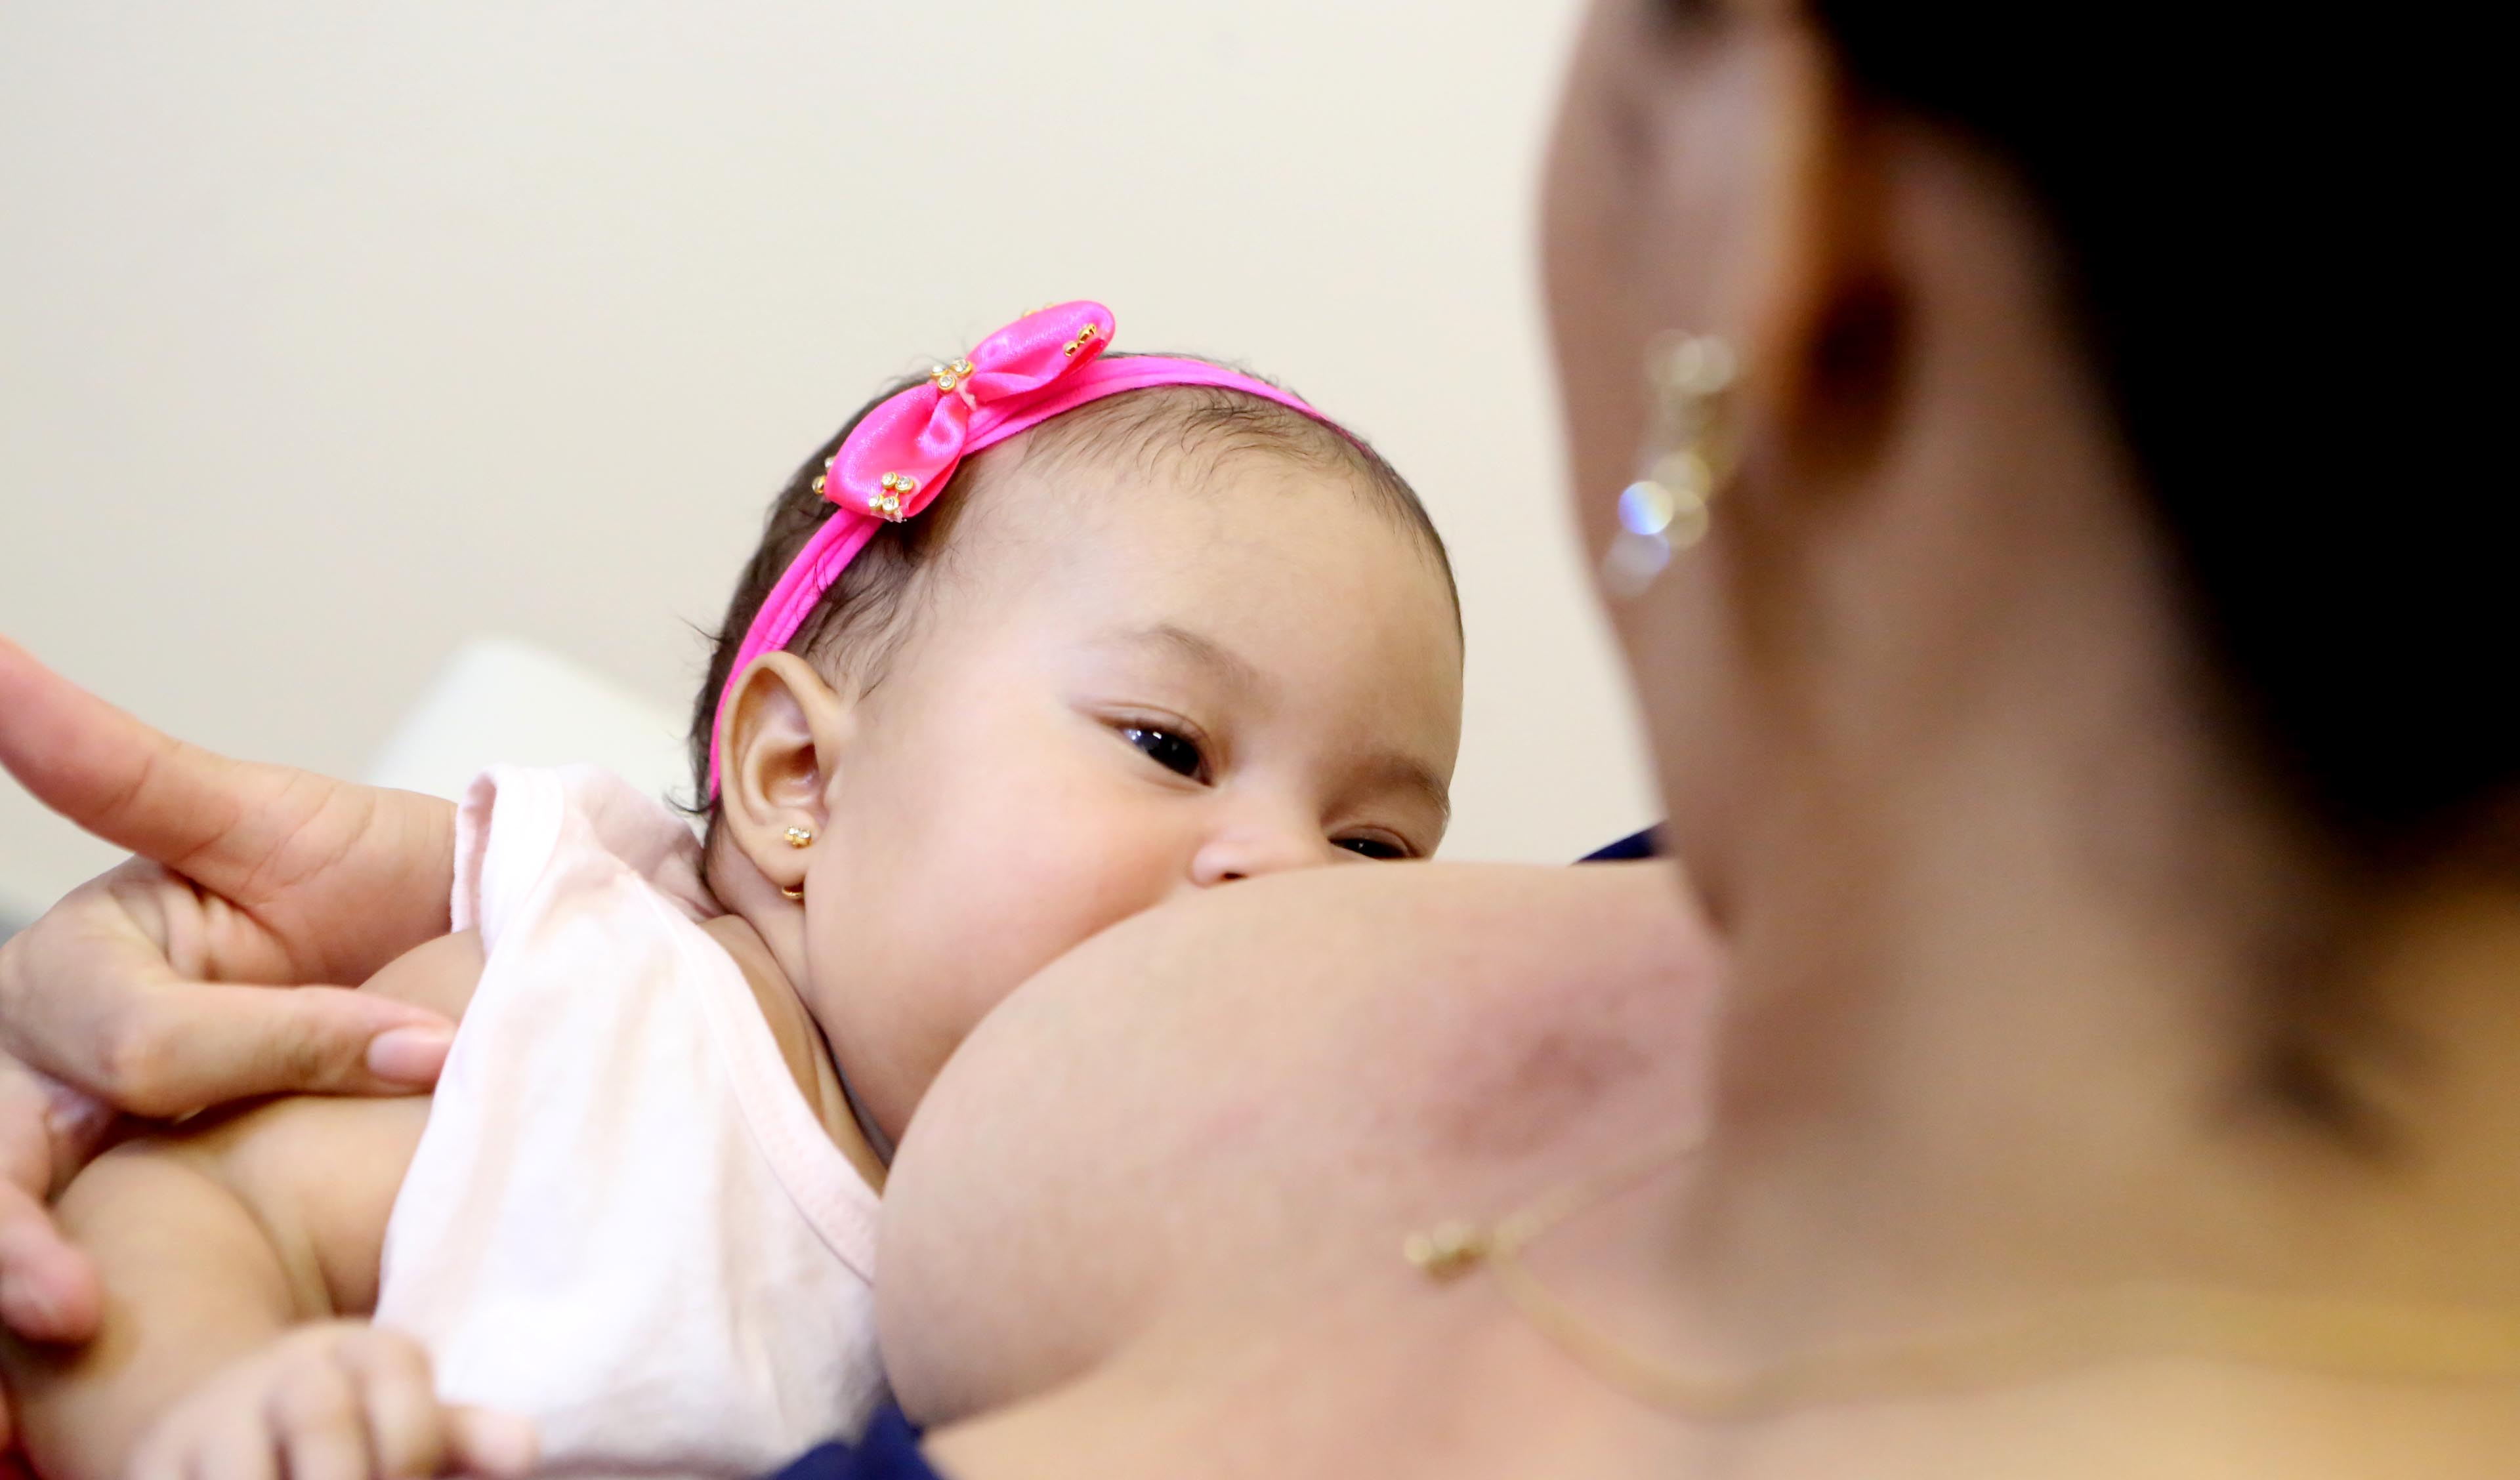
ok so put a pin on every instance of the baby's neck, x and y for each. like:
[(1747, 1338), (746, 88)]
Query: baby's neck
[(800, 1041)]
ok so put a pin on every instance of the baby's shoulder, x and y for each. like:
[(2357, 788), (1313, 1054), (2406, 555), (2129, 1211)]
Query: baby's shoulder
[(439, 974), (538, 841)]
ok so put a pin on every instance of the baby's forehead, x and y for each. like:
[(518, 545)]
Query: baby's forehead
[(1192, 502), (1175, 440), (1197, 526), (1072, 480), (1291, 570), (1157, 455)]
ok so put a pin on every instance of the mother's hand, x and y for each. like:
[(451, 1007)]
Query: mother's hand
[(122, 998)]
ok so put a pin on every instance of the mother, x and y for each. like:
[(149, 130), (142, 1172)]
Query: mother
[(2073, 723)]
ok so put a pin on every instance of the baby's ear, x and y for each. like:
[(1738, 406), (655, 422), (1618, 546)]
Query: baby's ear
[(781, 734)]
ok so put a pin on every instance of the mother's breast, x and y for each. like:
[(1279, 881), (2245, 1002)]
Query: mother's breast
[(1247, 1097)]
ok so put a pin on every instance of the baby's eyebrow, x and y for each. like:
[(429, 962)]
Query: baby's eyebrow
[(1394, 770), (1390, 769), (1205, 652)]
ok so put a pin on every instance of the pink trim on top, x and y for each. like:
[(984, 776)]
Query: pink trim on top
[(893, 463)]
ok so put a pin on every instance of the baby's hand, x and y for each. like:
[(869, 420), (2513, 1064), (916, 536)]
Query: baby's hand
[(340, 1401)]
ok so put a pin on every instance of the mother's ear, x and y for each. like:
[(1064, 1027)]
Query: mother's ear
[(782, 734), (1820, 314)]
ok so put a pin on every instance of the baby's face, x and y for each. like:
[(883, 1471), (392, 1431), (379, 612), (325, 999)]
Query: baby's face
[(1127, 684)]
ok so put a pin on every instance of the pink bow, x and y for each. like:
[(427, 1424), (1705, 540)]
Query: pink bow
[(904, 450)]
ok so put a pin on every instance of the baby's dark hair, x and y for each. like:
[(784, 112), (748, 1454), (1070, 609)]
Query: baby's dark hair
[(861, 623)]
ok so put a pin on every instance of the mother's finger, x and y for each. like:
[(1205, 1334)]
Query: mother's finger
[(121, 780), (345, 876), (48, 1290), (171, 1046), (87, 997)]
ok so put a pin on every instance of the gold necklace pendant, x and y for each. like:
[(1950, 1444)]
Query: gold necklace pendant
[(1448, 1250)]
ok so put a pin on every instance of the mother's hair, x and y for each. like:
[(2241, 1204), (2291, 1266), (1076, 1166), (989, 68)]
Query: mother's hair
[(2270, 277)]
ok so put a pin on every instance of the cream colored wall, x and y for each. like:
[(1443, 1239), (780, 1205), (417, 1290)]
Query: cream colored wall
[(333, 335)]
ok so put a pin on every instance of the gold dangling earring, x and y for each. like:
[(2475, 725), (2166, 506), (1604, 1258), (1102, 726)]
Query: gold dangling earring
[(1689, 456), (792, 891)]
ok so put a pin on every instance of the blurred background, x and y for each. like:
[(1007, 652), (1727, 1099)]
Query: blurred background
[(335, 339)]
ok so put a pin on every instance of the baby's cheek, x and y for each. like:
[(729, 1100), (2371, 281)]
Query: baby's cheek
[(916, 983), (1040, 898), (943, 939), (1030, 928)]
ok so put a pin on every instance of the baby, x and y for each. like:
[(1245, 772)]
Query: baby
[(1168, 628)]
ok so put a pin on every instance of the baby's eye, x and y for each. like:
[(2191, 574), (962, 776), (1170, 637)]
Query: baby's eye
[(1371, 847), (1175, 753)]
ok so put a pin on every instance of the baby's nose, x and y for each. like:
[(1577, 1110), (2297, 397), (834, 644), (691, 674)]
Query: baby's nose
[(1249, 852)]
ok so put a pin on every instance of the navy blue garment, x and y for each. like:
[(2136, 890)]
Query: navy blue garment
[(1634, 846), (889, 1451)]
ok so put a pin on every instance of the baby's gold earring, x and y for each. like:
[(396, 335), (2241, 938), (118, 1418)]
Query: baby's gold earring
[(1689, 456), (797, 837)]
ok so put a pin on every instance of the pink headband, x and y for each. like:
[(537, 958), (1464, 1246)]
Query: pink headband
[(1043, 365)]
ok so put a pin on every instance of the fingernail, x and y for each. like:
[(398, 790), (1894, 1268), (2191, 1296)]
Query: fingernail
[(504, 1444), (29, 1307), (410, 1055)]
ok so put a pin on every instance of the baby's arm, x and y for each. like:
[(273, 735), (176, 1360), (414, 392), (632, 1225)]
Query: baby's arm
[(230, 1250)]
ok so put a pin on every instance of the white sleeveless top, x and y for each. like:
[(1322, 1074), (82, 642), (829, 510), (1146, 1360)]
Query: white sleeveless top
[(625, 1221)]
